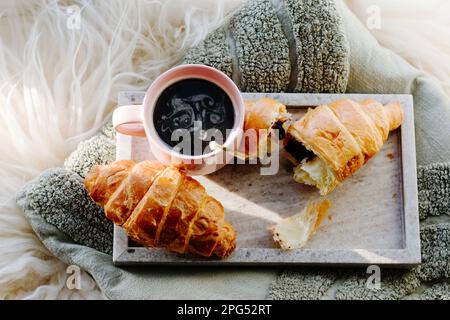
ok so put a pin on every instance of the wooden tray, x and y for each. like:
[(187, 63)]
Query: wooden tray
[(374, 213)]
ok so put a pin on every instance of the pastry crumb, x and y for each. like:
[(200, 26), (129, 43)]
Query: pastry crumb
[(294, 232)]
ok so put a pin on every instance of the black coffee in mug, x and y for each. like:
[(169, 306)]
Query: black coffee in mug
[(193, 109)]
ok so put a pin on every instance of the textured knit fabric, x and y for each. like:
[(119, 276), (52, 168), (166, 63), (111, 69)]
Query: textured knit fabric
[(98, 150), (395, 284), (60, 198), (439, 291), (306, 284), (434, 186), (280, 46)]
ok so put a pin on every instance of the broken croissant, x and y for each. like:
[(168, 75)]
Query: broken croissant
[(265, 113), (294, 232), (160, 206), (265, 124), (330, 142), (264, 116)]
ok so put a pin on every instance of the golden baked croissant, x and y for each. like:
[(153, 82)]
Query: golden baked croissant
[(264, 115), (330, 142), (160, 206)]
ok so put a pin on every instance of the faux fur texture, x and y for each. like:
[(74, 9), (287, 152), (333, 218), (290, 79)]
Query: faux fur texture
[(58, 85), (59, 81)]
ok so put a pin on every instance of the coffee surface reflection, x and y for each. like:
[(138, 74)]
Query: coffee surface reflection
[(192, 112)]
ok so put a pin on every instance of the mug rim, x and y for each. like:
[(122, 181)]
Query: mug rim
[(161, 83)]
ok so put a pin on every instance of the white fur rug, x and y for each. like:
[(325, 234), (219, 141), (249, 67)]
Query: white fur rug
[(59, 78)]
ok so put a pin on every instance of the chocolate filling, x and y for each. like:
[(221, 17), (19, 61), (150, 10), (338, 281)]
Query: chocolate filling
[(279, 126), (298, 150)]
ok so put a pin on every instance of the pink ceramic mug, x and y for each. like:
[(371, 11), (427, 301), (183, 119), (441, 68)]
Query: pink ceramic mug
[(137, 120)]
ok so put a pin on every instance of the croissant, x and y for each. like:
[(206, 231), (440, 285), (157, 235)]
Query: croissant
[(262, 118), (264, 115), (330, 142), (160, 206)]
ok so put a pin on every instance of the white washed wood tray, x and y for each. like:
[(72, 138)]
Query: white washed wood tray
[(374, 214)]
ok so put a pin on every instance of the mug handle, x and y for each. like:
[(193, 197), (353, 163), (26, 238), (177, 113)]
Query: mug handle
[(128, 120)]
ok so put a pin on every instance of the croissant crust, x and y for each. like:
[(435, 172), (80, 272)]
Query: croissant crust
[(160, 206), (346, 134)]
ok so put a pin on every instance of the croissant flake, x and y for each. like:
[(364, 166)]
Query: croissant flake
[(294, 232)]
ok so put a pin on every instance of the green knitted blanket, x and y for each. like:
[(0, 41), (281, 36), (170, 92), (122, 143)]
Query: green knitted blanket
[(268, 45), (280, 46)]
